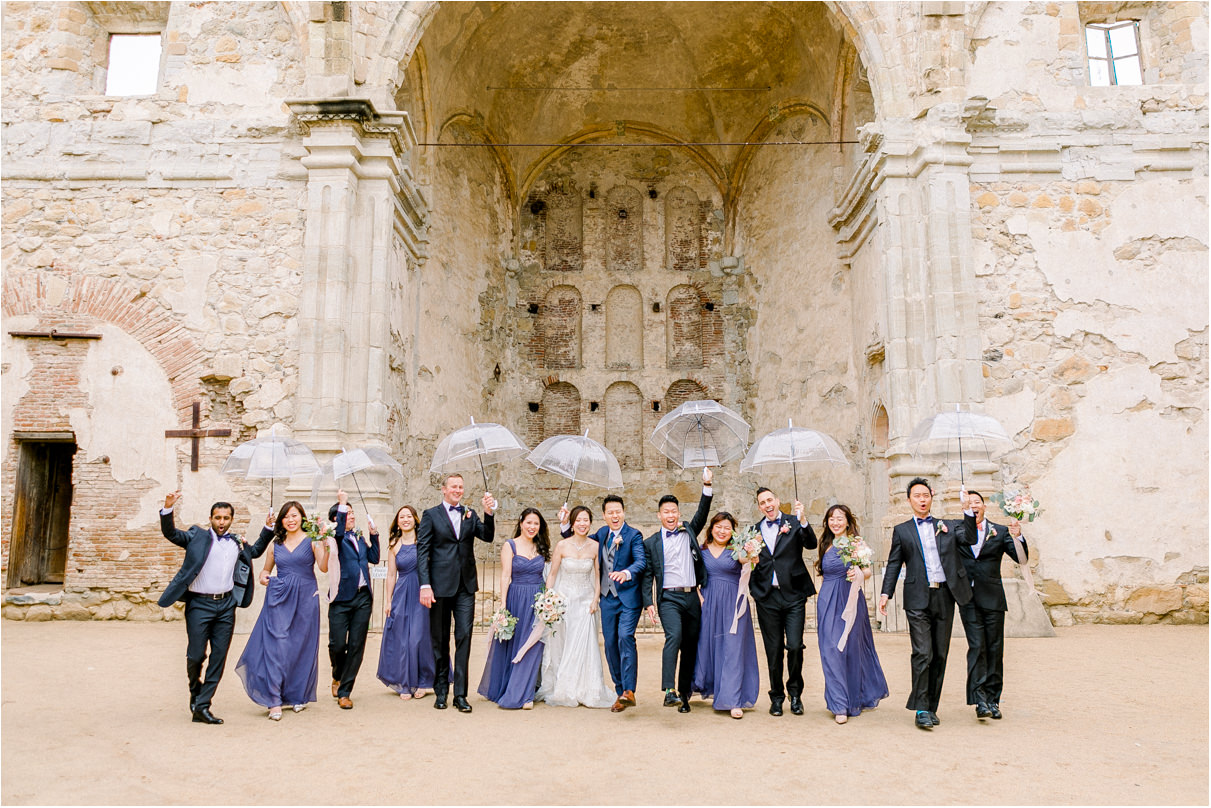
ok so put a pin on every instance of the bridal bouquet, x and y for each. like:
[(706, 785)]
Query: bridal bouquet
[(1018, 503), (502, 625), (549, 606), (854, 551), (746, 546), (311, 527)]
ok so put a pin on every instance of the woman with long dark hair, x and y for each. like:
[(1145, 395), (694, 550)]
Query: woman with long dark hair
[(853, 678), (280, 663), (511, 684), (726, 669), (405, 659)]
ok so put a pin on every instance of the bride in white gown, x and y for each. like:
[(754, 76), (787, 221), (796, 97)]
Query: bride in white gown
[(571, 664)]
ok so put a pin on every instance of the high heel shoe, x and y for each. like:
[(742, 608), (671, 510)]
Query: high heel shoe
[(275, 715), (841, 718), (737, 712)]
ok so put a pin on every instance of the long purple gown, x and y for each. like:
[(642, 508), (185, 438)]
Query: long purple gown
[(280, 663), (853, 678), (512, 685), (405, 660), (727, 663)]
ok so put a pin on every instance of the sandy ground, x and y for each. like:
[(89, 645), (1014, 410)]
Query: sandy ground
[(96, 713)]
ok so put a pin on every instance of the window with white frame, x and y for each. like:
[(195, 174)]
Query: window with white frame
[(1114, 53), (134, 64)]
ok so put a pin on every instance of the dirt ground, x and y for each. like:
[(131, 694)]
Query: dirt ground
[(96, 713)]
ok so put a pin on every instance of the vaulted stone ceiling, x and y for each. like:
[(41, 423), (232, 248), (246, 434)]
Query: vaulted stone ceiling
[(694, 72)]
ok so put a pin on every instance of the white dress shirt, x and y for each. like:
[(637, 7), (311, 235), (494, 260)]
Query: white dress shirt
[(218, 572), (981, 533), (678, 565), (929, 544), (349, 534), (456, 517), (770, 534)]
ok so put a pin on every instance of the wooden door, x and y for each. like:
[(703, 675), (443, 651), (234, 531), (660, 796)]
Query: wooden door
[(41, 513)]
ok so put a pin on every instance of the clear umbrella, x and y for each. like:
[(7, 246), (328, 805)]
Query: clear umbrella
[(580, 459), (372, 463), (945, 432), (701, 433), (790, 447), (271, 458), (476, 446)]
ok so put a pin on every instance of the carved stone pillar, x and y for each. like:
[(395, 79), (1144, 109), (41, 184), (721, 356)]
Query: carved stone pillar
[(361, 205)]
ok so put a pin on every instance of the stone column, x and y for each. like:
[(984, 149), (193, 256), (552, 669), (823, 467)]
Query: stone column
[(361, 202)]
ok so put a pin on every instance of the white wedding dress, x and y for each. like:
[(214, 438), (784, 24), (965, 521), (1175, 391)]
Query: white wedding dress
[(571, 663)]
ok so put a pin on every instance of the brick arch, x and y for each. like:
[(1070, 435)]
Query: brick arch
[(560, 410), (683, 390), (684, 328), (559, 327), (89, 299)]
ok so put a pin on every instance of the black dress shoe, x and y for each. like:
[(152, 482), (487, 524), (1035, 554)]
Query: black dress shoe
[(982, 711), (995, 709), (202, 715), (670, 699), (775, 707), (685, 707), (461, 704), (934, 718), (923, 720), (439, 701), (796, 705)]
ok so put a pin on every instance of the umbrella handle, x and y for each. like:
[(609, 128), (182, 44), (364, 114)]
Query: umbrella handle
[(353, 474)]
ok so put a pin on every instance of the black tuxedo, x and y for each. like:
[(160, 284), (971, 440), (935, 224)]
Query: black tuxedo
[(208, 620), (930, 609), (349, 612), (782, 609), (446, 563), (984, 616), (680, 611)]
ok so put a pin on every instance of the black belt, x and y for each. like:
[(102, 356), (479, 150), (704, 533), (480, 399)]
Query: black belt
[(209, 596), (680, 588), (363, 589)]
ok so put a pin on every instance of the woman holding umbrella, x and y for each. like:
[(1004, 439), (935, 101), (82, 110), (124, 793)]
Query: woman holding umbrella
[(280, 663)]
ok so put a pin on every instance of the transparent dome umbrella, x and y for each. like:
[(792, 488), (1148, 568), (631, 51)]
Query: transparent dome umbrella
[(944, 433), (476, 446), (271, 458), (580, 459), (701, 433), (791, 447), (372, 463)]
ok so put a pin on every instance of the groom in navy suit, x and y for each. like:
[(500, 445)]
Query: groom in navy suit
[(621, 557), (349, 612)]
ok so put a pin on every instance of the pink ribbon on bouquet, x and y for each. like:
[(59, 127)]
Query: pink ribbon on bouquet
[(334, 569), (535, 636), (1023, 564), (746, 572), (850, 612)]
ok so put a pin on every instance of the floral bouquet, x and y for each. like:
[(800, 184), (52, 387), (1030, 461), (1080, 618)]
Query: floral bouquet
[(746, 546), (1018, 503), (502, 625), (549, 606), (854, 551), (311, 527)]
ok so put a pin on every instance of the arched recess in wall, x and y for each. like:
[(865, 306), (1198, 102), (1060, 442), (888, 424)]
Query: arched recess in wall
[(559, 328), (684, 328), (682, 229), (563, 229), (623, 212), (879, 431), (624, 424), (560, 410), (624, 328)]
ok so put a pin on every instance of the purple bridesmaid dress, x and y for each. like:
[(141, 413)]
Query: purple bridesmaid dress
[(405, 660), (727, 663), (853, 678), (512, 685)]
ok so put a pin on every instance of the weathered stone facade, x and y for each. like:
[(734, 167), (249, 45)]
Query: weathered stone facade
[(369, 222)]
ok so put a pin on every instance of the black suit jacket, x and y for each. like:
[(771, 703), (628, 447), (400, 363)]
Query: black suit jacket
[(906, 552), (446, 561), (196, 542), (653, 572), (787, 561), (984, 571)]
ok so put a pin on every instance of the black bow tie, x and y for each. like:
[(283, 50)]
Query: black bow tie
[(925, 521), (773, 522), (456, 508), (230, 536)]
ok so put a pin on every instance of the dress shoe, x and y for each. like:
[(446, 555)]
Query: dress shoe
[(775, 707), (923, 720), (336, 686), (461, 704), (202, 715), (685, 707), (796, 705), (982, 711), (619, 705), (934, 718), (298, 708), (628, 697), (995, 710), (345, 703), (670, 699), (737, 713), (439, 701), (275, 715)]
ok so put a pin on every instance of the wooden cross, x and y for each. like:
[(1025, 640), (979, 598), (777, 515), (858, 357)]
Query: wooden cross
[(196, 434)]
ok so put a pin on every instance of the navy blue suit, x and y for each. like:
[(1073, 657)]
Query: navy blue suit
[(349, 612), (620, 613)]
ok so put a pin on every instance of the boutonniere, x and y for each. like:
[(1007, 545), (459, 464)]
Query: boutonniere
[(785, 528), (617, 542), (468, 513), (992, 532), (942, 528)]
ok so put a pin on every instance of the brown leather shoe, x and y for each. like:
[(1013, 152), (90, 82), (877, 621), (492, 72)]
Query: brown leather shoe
[(345, 703), (619, 705), (335, 687), (628, 698)]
